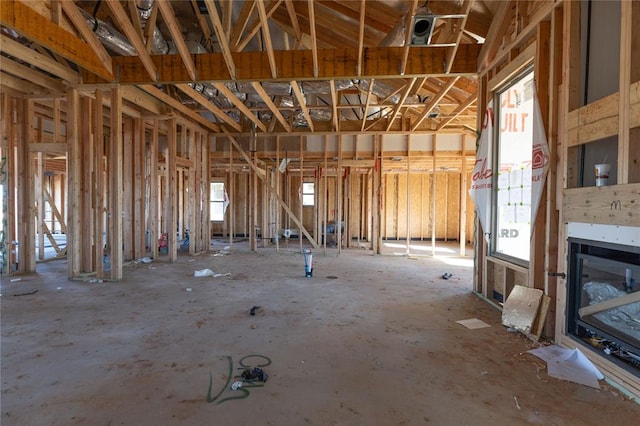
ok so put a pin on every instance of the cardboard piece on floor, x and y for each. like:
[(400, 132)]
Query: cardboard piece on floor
[(538, 325), (569, 364), (521, 307), (473, 323)]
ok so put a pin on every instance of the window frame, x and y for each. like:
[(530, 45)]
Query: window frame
[(313, 194), (213, 202), (521, 76)]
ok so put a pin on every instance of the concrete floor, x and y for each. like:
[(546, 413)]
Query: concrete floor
[(368, 340)]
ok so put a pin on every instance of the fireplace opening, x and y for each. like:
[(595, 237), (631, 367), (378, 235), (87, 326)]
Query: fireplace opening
[(603, 300)]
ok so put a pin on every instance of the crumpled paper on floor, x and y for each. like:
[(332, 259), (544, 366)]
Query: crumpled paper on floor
[(569, 364)]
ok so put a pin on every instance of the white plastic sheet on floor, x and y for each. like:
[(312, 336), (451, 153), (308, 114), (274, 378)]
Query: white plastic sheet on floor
[(209, 273), (569, 364)]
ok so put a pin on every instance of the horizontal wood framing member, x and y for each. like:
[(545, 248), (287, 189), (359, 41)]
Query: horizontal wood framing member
[(599, 119), (378, 62), (614, 205)]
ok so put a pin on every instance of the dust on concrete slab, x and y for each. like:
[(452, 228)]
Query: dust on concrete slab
[(376, 345)]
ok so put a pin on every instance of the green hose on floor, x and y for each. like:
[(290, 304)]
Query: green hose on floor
[(245, 392)]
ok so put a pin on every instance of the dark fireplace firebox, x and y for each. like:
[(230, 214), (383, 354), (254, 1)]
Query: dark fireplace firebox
[(603, 300)]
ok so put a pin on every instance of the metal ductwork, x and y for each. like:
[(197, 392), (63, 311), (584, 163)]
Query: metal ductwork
[(158, 44), (109, 36), (422, 28)]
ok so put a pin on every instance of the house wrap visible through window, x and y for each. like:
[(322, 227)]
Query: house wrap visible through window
[(513, 182)]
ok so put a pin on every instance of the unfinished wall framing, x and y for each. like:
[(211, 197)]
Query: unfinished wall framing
[(578, 116), (343, 169), (73, 174)]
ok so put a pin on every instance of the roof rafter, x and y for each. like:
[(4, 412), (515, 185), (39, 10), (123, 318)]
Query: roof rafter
[(302, 102), (176, 33), (202, 21), (125, 24), (135, 18), (294, 22), (240, 105), (274, 109), (255, 26), (312, 33), (177, 105), (74, 15), (407, 39), (434, 101), (222, 38), (401, 102), (241, 24), (267, 37), (366, 106), (22, 52), (150, 27), (466, 104), (466, 9), (361, 36), (208, 105), (29, 23), (334, 104)]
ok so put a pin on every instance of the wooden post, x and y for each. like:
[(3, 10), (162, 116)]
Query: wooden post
[(339, 196), (26, 210), (433, 198), (171, 207), (206, 179), (99, 181), (190, 220), (254, 203), (153, 190), (408, 212), (115, 184), (376, 198), (39, 183), (463, 198), (8, 181), (553, 215), (232, 194), (74, 179), (537, 276), (139, 228), (195, 232), (127, 177), (277, 180), (569, 99), (624, 110), (325, 197), (300, 193), (86, 148)]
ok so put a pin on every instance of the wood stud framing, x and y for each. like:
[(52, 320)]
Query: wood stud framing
[(140, 160)]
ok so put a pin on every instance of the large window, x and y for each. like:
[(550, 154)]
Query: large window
[(218, 201), (308, 193), (514, 161)]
